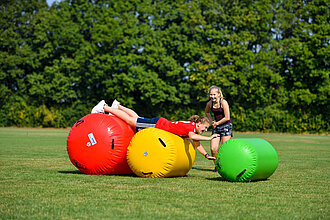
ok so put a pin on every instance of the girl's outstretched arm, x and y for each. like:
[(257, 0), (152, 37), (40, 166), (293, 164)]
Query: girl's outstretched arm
[(201, 150), (197, 137)]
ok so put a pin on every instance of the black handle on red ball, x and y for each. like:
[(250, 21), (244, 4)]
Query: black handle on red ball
[(79, 166), (79, 122)]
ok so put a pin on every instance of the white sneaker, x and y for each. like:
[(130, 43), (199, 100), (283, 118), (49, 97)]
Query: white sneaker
[(115, 104), (99, 107)]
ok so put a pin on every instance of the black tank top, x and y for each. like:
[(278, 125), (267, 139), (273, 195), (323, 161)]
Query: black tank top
[(219, 113)]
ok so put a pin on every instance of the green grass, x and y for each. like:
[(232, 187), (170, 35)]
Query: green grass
[(37, 181)]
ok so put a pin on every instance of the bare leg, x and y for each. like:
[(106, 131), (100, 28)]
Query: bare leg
[(214, 147), (225, 138), (129, 119), (130, 112)]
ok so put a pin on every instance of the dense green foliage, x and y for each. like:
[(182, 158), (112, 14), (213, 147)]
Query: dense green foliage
[(270, 57)]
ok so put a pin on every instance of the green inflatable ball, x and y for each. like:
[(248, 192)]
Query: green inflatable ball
[(242, 160)]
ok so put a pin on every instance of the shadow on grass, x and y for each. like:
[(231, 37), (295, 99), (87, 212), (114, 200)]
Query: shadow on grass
[(79, 172), (210, 170), (201, 169), (71, 172), (220, 178)]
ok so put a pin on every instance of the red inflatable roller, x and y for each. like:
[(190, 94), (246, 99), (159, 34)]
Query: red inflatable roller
[(97, 144)]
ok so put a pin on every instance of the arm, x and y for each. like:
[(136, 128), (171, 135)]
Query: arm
[(197, 137), (201, 150), (207, 111), (226, 111)]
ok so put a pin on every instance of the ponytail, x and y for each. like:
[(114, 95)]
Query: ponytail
[(197, 119), (194, 118)]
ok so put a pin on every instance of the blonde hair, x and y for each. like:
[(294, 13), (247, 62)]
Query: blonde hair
[(217, 88), (197, 119)]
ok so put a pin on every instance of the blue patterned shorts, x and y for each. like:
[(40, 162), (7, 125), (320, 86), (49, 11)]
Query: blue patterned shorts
[(142, 123), (224, 130)]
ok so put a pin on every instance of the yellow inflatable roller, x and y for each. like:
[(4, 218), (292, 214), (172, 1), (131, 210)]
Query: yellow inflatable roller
[(157, 153)]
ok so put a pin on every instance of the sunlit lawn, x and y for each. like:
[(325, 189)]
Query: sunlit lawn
[(38, 181)]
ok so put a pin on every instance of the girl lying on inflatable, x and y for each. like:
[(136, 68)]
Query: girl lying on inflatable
[(192, 128)]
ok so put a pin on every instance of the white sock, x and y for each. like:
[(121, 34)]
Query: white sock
[(115, 104)]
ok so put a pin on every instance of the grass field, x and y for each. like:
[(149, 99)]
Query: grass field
[(38, 181)]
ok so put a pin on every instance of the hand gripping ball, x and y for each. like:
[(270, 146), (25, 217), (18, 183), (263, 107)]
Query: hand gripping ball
[(97, 144), (157, 153), (246, 160)]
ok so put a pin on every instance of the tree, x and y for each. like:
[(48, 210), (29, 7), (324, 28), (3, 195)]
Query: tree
[(160, 57)]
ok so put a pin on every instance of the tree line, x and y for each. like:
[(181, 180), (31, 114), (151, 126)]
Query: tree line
[(269, 57)]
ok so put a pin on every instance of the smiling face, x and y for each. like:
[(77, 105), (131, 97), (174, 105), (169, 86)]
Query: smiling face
[(202, 127), (215, 95)]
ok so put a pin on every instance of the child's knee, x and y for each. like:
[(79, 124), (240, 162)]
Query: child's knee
[(132, 121)]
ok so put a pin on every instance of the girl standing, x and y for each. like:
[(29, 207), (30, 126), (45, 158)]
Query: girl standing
[(221, 124)]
